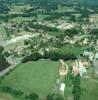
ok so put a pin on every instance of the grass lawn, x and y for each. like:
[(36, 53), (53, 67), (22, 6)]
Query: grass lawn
[(21, 19), (2, 33), (65, 9), (39, 77), (40, 17), (56, 33), (89, 89), (70, 49)]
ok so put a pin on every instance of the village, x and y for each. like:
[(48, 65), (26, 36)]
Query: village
[(48, 52), (19, 47)]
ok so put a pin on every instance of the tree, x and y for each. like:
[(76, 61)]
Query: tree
[(32, 57), (76, 88), (71, 32), (54, 96), (32, 96), (1, 49), (3, 62), (6, 53)]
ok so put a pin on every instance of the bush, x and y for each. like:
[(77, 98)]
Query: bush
[(55, 96), (76, 88), (6, 54), (32, 57), (12, 91), (54, 56), (32, 96)]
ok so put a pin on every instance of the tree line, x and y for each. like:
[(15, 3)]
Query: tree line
[(54, 56)]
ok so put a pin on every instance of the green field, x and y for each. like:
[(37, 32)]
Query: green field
[(88, 89), (21, 19), (39, 77), (70, 49)]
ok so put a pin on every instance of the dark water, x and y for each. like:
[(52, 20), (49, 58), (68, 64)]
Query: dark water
[(90, 2)]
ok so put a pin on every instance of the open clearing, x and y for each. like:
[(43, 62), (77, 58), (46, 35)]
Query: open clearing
[(39, 77), (5, 96)]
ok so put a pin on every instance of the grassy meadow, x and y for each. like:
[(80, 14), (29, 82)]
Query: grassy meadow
[(39, 77)]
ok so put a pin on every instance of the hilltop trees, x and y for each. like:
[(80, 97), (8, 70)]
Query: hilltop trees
[(3, 62), (71, 32)]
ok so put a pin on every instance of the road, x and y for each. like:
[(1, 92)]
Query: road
[(7, 70)]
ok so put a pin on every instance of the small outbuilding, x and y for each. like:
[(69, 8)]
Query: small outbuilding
[(62, 87)]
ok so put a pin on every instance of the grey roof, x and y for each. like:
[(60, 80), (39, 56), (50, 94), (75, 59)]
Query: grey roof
[(96, 55)]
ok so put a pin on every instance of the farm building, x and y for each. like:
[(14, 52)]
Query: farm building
[(62, 87)]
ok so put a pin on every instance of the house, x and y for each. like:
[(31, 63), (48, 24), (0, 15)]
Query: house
[(72, 42), (97, 42), (96, 56), (82, 68), (88, 54), (62, 88), (86, 64), (85, 41), (79, 67)]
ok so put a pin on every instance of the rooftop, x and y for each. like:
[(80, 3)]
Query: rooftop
[(96, 55)]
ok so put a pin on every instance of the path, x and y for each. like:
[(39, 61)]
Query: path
[(62, 73), (65, 65)]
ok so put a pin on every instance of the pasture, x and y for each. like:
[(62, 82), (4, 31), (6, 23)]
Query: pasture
[(39, 77)]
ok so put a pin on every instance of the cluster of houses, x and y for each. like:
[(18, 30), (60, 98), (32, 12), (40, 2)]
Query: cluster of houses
[(80, 67), (59, 24), (93, 57)]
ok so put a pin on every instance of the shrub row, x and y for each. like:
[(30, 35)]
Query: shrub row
[(54, 56)]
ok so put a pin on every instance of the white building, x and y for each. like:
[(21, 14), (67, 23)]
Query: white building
[(88, 54), (62, 87), (82, 69)]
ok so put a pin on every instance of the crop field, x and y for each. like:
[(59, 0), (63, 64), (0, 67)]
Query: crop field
[(39, 77), (88, 89)]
